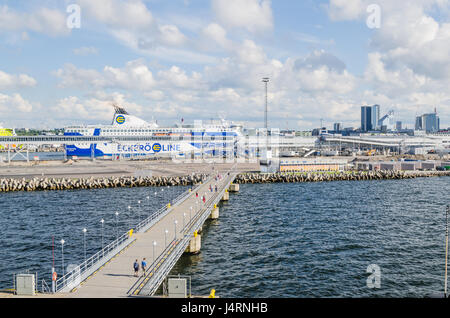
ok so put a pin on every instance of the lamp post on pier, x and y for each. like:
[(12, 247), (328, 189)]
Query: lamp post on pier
[(117, 224), (103, 252), (175, 222), (62, 254), (154, 245), (84, 240), (139, 211)]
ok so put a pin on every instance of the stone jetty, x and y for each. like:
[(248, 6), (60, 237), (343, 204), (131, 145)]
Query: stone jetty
[(281, 177), (49, 184)]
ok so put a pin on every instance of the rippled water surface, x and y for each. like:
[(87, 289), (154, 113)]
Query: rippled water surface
[(273, 240)]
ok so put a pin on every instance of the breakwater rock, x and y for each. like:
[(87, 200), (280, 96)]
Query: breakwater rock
[(334, 176), (48, 184)]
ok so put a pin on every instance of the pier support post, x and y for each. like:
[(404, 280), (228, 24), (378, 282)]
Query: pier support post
[(214, 213), (234, 187), (226, 196), (195, 244)]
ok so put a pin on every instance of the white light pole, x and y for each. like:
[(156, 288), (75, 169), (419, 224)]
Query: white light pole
[(62, 254), (265, 81), (84, 232), (190, 215), (154, 245), (184, 223), (165, 237), (175, 222), (129, 217), (139, 211), (117, 224), (102, 221)]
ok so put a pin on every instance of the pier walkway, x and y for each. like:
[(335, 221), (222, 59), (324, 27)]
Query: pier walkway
[(161, 239)]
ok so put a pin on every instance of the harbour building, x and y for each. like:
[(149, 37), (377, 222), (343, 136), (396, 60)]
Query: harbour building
[(314, 164), (370, 116), (428, 122)]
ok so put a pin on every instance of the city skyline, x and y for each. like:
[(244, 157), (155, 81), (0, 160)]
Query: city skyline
[(205, 59)]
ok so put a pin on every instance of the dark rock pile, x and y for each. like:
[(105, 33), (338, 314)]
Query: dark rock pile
[(43, 184), (47, 184), (333, 176)]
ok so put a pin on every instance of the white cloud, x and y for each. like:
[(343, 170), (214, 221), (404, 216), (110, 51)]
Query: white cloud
[(250, 53), (14, 104), (176, 77), (216, 33), (252, 15), (44, 20), (97, 108), (346, 9), (16, 81), (171, 35), (408, 61), (134, 75), (119, 14)]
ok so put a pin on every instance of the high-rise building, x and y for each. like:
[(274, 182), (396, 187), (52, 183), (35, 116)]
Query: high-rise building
[(430, 122), (370, 116), (375, 117), (398, 126), (418, 125), (366, 118), (337, 127)]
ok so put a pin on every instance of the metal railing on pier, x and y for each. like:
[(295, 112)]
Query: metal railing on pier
[(162, 266), (74, 277)]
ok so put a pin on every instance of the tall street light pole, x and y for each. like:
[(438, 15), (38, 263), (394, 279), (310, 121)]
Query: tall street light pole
[(266, 125), (139, 211), (84, 236), (103, 252), (117, 224), (62, 254)]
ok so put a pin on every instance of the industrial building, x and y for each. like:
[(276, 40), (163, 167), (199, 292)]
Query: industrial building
[(316, 164), (428, 122), (401, 165)]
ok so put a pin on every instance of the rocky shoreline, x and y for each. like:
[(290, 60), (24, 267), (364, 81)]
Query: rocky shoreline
[(52, 184), (334, 176)]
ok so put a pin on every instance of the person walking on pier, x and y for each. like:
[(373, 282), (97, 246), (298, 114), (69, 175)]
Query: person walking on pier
[(136, 268), (144, 266)]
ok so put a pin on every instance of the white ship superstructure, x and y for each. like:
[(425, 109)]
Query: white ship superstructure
[(132, 136)]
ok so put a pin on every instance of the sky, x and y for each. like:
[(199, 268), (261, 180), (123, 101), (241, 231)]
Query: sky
[(64, 62)]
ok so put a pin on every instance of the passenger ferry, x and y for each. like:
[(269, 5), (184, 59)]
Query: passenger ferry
[(133, 137)]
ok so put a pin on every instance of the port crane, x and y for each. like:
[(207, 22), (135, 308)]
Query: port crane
[(389, 115)]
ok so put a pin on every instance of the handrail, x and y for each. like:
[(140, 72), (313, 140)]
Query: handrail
[(104, 254), (81, 272), (45, 288), (200, 217), (91, 262), (146, 224)]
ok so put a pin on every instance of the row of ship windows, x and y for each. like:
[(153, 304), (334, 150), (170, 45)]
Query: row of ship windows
[(115, 131), (129, 130)]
